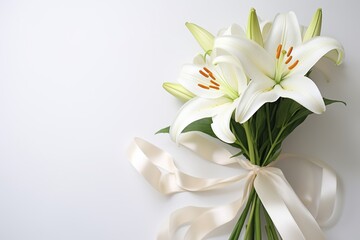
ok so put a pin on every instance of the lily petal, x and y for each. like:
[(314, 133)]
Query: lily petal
[(195, 109), (286, 31), (221, 123), (199, 60), (190, 77), (265, 27), (255, 59), (258, 92), (233, 71), (234, 29), (310, 52), (304, 91)]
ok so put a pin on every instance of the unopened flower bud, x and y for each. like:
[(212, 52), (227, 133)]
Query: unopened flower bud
[(253, 31), (314, 28), (178, 91), (203, 37)]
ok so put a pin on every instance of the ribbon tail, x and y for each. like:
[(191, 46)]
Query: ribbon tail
[(147, 159), (213, 219), (321, 190), (178, 219), (203, 221), (327, 202), (291, 218)]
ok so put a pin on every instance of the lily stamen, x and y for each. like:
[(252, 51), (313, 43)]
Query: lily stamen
[(293, 65), (289, 52), (212, 76), (288, 60), (280, 62), (215, 83), (209, 73), (214, 87), (278, 51), (207, 70), (203, 86), (204, 74)]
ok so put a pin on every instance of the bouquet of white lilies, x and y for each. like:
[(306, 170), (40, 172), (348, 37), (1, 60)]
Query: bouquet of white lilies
[(249, 88)]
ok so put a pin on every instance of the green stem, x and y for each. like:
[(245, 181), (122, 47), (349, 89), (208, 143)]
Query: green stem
[(273, 145), (250, 142), (239, 225), (268, 233), (249, 234), (257, 219), (268, 122), (242, 147)]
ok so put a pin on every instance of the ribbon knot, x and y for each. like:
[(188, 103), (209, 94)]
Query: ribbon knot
[(256, 169), (291, 218)]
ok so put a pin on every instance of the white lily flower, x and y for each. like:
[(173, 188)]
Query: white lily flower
[(279, 69), (216, 82), (217, 87)]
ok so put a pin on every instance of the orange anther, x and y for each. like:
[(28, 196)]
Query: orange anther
[(214, 87), (207, 70), (278, 51), (204, 74), (289, 52), (288, 60), (203, 86), (215, 83), (212, 76), (293, 65)]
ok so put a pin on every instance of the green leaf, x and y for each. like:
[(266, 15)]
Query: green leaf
[(331, 101), (164, 130), (282, 112), (238, 131), (260, 124), (241, 139), (201, 125), (237, 154)]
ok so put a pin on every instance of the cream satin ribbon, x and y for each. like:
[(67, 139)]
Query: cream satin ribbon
[(291, 218)]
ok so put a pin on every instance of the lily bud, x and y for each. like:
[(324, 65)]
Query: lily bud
[(253, 31), (203, 37), (314, 28), (178, 91)]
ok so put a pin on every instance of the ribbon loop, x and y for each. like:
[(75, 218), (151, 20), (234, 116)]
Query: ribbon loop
[(160, 171), (291, 218)]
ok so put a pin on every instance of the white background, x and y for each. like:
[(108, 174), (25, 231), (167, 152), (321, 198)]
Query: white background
[(79, 79)]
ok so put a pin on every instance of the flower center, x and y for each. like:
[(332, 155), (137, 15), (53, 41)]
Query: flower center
[(284, 63), (218, 84), (212, 83)]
